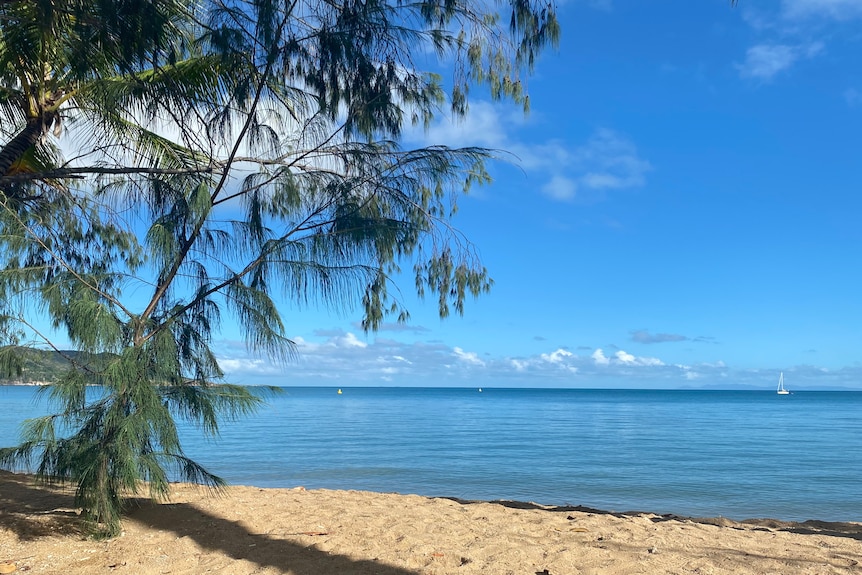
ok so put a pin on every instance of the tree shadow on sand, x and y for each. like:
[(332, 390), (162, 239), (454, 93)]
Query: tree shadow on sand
[(32, 511), (220, 535)]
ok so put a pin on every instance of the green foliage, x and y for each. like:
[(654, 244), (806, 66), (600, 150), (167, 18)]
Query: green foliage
[(253, 147), (124, 432), (27, 365)]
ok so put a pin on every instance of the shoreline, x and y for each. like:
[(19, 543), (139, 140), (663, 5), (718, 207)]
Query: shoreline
[(304, 532), (26, 383)]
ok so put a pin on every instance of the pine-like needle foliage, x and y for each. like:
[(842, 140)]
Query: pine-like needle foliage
[(226, 155)]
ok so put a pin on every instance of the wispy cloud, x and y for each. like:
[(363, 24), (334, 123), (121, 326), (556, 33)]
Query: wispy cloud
[(560, 187), (764, 61), (644, 336), (606, 161), (833, 9), (853, 97), (603, 5), (794, 31), (393, 327)]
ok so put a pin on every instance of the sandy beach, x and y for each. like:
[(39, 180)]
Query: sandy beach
[(303, 532)]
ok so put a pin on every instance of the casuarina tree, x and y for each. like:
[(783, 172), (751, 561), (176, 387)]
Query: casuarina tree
[(169, 166)]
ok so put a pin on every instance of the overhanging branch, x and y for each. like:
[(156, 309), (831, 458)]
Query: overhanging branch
[(82, 172)]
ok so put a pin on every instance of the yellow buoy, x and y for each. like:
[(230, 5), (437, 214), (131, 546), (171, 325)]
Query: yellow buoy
[(339, 392)]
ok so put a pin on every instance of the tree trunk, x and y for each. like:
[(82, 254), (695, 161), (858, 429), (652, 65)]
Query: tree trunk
[(24, 140)]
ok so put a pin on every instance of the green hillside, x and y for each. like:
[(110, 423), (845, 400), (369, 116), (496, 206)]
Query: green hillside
[(27, 365)]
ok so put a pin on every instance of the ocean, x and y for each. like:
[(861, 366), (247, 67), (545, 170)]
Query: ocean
[(738, 454)]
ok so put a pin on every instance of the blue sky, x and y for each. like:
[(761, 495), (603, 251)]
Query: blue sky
[(684, 212)]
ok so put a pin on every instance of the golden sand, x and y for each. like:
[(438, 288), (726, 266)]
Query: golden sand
[(321, 532)]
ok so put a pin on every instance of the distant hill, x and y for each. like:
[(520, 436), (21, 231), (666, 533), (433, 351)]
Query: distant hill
[(39, 365)]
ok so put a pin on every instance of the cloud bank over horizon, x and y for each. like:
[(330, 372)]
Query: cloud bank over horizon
[(343, 358)]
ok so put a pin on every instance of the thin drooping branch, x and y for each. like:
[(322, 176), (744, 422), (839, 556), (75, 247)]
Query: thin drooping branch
[(61, 262), (167, 279), (83, 172)]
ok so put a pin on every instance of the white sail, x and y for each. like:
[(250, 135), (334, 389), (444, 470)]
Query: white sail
[(781, 390)]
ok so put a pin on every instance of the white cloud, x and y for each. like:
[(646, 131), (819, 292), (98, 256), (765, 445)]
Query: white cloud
[(467, 356), (757, 18), (518, 364), (765, 61), (336, 339), (832, 9), (623, 358), (249, 366), (792, 27), (629, 359), (333, 360), (350, 340), (599, 357), (602, 181), (560, 188), (485, 125), (541, 156), (606, 161), (557, 356), (603, 5)]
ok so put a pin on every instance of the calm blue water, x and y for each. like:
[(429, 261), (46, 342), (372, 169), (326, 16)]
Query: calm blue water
[(703, 453)]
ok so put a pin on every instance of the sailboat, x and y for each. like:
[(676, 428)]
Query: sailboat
[(781, 390)]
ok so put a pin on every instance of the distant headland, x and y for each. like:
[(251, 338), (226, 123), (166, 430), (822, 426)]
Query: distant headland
[(29, 366)]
